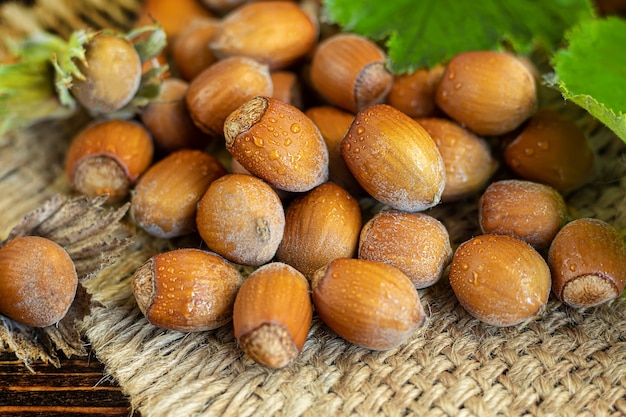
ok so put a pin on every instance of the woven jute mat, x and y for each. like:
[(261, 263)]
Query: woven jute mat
[(566, 362)]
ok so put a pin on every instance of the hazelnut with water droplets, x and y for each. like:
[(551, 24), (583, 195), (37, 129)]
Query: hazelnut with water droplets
[(499, 279)]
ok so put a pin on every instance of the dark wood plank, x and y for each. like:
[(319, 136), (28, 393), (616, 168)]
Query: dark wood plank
[(78, 388)]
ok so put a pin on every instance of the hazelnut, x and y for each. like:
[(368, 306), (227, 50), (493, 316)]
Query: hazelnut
[(167, 118), (350, 72), (415, 243), (241, 218), (275, 33), (489, 92), (368, 303), (394, 159), (272, 314), (527, 210), (166, 195), (38, 281), (467, 157), (287, 88), (333, 124), (414, 93), (187, 290), (588, 263), (277, 142), (223, 87), (499, 279), (173, 17), (107, 84), (320, 226), (107, 157), (553, 150), (190, 51)]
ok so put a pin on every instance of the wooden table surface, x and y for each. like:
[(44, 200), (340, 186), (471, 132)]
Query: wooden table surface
[(77, 388)]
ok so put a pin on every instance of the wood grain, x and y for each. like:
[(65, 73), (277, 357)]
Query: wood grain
[(78, 388)]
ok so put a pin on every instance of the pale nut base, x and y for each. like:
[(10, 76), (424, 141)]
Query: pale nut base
[(270, 345), (588, 291), (100, 175)]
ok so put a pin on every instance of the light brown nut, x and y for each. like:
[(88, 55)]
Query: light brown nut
[(272, 314), (489, 92), (414, 93), (275, 33), (368, 303), (526, 210), (107, 157), (320, 226), (111, 74), (553, 150), (277, 142), (223, 87), (168, 120), (500, 280), (187, 290), (38, 281), (350, 72), (588, 262), (165, 198), (394, 159), (467, 157), (415, 243), (241, 218), (173, 17)]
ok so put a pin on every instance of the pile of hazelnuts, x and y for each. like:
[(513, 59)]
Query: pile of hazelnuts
[(271, 131)]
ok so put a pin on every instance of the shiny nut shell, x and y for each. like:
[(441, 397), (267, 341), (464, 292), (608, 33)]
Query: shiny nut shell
[(588, 263), (320, 226), (272, 314), (499, 279), (186, 290), (368, 303), (394, 159), (277, 142), (165, 198)]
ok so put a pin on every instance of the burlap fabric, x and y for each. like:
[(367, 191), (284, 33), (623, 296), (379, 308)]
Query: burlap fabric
[(567, 362)]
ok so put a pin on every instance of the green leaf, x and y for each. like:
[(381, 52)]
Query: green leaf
[(423, 33), (591, 71)]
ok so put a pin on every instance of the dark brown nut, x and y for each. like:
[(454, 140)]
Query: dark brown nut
[(368, 303), (275, 33), (167, 118), (38, 281), (166, 196), (277, 142), (553, 150), (241, 218), (415, 243), (467, 157), (394, 159), (350, 72), (489, 92), (320, 226), (588, 262), (526, 210), (500, 280), (187, 290), (107, 157), (223, 87), (272, 314)]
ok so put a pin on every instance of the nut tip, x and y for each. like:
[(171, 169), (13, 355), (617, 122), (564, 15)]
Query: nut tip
[(143, 285), (271, 345)]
